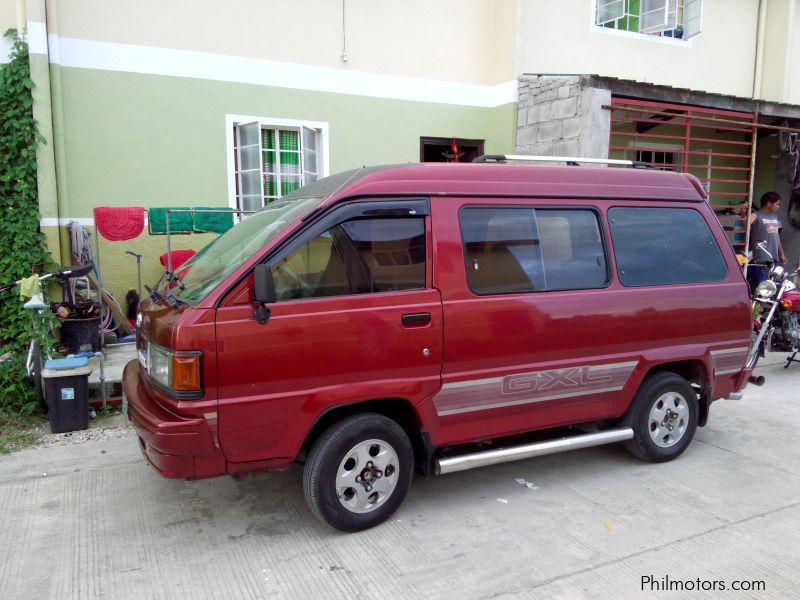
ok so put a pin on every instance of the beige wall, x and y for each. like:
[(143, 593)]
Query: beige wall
[(776, 44), (469, 41), (8, 15), (8, 20), (563, 39), (794, 60)]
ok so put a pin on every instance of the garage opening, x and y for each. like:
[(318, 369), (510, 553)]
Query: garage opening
[(708, 143)]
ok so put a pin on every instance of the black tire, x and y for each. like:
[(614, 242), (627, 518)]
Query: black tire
[(654, 441), (349, 441), (36, 373)]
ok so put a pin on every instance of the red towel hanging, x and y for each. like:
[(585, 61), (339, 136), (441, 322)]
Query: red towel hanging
[(178, 258), (119, 223)]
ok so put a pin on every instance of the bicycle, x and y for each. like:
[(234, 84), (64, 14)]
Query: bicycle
[(34, 360)]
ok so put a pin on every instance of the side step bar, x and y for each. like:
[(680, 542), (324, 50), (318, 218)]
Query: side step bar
[(502, 455)]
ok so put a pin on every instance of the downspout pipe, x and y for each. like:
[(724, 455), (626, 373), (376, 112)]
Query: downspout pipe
[(758, 72), (22, 15), (35, 13), (758, 66)]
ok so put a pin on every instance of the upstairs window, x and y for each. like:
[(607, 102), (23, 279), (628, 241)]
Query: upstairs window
[(681, 19), (274, 158)]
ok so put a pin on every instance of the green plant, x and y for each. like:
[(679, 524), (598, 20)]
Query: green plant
[(16, 431), (23, 249)]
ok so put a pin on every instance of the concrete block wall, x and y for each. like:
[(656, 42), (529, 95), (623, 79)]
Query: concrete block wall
[(559, 116)]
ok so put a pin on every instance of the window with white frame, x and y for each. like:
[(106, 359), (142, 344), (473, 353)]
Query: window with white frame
[(680, 19), (274, 158)]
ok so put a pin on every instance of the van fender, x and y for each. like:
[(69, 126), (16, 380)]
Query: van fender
[(400, 410), (696, 370)]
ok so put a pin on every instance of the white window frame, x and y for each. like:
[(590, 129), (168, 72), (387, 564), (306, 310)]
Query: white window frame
[(645, 37), (633, 146), (231, 120)]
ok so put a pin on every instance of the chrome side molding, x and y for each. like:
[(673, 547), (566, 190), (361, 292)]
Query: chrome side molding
[(502, 455)]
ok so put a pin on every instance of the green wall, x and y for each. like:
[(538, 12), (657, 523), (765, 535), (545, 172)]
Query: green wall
[(133, 139), (127, 139)]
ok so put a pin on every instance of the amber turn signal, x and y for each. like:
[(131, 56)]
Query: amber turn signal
[(786, 304), (186, 372)]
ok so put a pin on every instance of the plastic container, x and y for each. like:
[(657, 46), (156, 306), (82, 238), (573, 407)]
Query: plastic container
[(66, 385), (81, 335)]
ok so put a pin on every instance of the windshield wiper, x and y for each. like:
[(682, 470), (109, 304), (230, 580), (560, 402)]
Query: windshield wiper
[(167, 296)]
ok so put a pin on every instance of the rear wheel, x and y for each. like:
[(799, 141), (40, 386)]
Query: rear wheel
[(358, 472), (663, 416)]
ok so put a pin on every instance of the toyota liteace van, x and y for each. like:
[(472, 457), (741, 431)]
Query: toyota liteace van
[(384, 320)]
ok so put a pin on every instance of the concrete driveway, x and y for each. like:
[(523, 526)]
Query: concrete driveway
[(586, 524)]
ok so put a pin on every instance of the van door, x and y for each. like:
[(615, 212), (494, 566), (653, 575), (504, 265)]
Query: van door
[(529, 322), (356, 319)]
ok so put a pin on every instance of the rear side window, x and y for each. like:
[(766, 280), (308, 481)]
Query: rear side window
[(661, 246), (511, 250), (362, 256)]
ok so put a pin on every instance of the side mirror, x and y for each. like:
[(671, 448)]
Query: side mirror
[(263, 293)]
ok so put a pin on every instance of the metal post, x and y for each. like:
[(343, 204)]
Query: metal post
[(99, 283), (193, 211), (169, 247), (750, 194)]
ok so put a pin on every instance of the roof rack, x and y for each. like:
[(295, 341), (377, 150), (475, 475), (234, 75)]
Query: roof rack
[(570, 160)]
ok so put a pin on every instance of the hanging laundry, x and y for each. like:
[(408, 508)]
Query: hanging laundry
[(215, 222), (178, 258), (29, 287), (119, 223), (178, 222)]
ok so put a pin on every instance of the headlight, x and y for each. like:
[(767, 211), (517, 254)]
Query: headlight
[(175, 370), (777, 273), (766, 289)]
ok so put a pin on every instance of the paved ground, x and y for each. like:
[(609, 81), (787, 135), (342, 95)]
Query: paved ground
[(102, 524)]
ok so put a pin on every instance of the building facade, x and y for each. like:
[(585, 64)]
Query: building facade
[(206, 104)]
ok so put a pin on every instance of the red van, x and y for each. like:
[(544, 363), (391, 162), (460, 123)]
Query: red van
[(386, 319)]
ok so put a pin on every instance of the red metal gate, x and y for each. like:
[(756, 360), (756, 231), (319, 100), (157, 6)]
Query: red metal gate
[(706, 142)]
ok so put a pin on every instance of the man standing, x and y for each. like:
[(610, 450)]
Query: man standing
[(765, 241)]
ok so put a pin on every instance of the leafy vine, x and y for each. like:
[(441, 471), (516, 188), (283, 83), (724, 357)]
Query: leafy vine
[(23, 248)]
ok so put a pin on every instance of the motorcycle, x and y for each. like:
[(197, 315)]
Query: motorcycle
[(777, 326)]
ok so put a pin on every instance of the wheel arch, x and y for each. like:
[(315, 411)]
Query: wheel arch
[(400, 410), (695, 372)]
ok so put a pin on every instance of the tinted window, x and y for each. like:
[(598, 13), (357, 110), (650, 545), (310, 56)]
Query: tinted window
[(362, 256), (510, 250), (656, 246)]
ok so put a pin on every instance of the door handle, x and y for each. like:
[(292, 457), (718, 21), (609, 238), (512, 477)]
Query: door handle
[(416, 319)]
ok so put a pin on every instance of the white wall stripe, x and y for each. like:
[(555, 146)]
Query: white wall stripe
[(53, 222), (5, 49), (88, 54), (37, 37)]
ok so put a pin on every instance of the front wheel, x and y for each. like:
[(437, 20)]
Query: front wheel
[(663, 416), (358, 472)]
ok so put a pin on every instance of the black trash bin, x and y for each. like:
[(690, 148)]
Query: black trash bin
[(66, 385), (81, 335)]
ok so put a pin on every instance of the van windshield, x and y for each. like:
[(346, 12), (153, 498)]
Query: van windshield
[(206, 269)]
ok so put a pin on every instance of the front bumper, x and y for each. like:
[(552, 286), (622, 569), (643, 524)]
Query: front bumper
[(176, 447)]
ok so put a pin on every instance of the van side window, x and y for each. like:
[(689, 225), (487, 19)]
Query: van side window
[(361, 256), (660, 246), (511, 250)]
